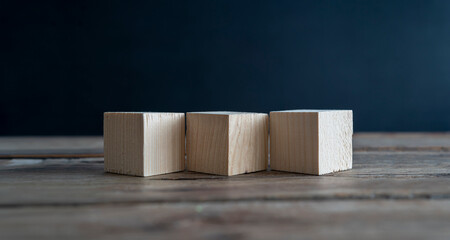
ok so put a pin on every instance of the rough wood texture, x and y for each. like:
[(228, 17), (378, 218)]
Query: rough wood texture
[(311, 141), (402, 142), (353, 219), (397, 192), (51, 147), (144, 144), (375, 176), (227, 143)]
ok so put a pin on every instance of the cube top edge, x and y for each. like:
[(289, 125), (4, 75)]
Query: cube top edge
[(227, 113), (140, 113), (311, 111)]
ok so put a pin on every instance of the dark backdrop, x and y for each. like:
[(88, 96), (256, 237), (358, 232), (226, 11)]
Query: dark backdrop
[(63, 63)]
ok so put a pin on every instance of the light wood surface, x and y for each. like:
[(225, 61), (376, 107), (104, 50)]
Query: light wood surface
[(311, 141), (396, 190), (227, 143), (207, 143), (144, 144), (335, 141), (248, 143)]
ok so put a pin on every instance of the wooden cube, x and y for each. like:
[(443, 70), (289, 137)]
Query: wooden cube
[(144, 144), (227, 143), (311, 141)]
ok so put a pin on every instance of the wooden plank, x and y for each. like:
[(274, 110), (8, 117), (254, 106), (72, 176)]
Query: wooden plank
[(36, 155), (399, 193), (51, 147), (378, 219), (79, 182), (401, 142)]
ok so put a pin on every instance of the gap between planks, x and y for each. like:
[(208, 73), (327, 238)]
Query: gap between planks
[(352, 197)]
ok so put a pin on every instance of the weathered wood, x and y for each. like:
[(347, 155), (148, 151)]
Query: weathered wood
[(402, 192), (78, 182), (51, 147), (378, 219), (401, 142)]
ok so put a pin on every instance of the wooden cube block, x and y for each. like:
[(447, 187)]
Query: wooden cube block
[(311, 141), (227, 143), (144, 144)]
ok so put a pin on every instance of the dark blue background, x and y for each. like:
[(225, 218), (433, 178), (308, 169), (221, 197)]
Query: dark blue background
[(64, 63)]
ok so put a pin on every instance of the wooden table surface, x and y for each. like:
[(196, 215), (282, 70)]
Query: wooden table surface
[(55, 188)]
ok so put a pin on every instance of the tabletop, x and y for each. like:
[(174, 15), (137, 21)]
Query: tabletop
[(55, 188)]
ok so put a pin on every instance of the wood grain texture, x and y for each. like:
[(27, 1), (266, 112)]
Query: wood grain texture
[(51, 147), (370, 141), (79, 182), (207, 143), (227, 143), (164, 143), (248, 143), (144, 144), (398, 192), (311, 141), (353, 219), (124, 143), (294, 142)]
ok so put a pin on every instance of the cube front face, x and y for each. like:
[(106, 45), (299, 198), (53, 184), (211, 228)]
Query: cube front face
[(144, 144), (311, 142), (294, 142), (207, 143), (123, 136), (248, 143), (164, 137), (227, 144)]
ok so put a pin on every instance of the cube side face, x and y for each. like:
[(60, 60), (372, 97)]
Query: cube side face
[(207, 143), (335, 141), (248, 143), (123, 143), (294, 142), (164, 136)]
